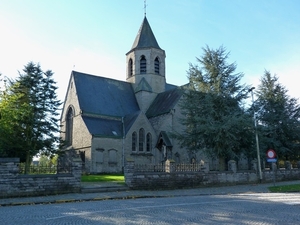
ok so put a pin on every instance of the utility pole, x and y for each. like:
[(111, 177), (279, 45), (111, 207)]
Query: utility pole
[(256, 137)]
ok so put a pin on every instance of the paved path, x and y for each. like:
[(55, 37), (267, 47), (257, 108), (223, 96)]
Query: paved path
[(133, 194), (229, 209)]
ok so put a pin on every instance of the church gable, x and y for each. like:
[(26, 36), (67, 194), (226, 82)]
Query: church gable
[(143, 86), (141, 136), (71, 100)]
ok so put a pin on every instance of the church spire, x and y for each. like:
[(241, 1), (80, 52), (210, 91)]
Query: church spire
[(145, 37)]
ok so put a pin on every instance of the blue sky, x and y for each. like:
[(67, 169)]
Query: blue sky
[(93, 36)]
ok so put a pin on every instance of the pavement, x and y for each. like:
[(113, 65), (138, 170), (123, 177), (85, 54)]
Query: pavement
[(111, 191)]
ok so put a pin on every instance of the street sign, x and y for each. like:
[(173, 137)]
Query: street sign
[(271, 154), (271, 160)]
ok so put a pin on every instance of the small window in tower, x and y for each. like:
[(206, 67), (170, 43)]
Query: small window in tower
[(156, 65), (143, 64), (130, 70)]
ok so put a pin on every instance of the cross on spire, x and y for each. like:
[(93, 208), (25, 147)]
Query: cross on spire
[(145, 7)]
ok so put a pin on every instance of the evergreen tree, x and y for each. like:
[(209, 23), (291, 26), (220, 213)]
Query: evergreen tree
[(32, 98), (12, 113), (214, 118), (278, 116)]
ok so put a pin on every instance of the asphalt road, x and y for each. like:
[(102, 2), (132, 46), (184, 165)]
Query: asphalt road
[(257, 208)]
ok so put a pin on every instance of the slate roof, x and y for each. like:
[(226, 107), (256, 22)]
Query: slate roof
[(145, 37), (164, 102), (103, 127), (104, 102), (170, 86), (104, 96)]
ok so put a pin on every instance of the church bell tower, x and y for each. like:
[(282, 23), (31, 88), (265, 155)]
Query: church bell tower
[(146, 66)]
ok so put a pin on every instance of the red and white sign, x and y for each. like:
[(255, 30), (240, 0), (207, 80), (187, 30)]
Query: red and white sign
[(271, 154)]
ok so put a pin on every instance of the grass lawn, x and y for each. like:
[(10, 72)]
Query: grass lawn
[(286, 188), (119, 178)]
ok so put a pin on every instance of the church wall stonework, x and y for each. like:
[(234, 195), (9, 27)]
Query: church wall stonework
[(70, 100), (80, 135), (106, 155)]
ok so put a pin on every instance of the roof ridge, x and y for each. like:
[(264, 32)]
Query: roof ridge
[(97, 76)]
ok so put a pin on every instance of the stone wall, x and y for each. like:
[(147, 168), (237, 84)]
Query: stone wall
[(179, 179), (13, 184)]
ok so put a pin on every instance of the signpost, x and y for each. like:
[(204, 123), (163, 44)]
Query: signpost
[(271, 157)]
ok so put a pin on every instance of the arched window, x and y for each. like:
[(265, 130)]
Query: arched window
[(130, 69), (156, 65), (148, 142), (133, 146), (141, 139), (143, 64), (69, 126)]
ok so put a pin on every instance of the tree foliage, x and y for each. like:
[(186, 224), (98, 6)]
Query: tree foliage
[(278, 116), (29, 109), (214, 119), (12, 113)]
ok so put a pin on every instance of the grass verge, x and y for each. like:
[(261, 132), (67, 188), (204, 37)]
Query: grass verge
[(286, 188), (103, 178)]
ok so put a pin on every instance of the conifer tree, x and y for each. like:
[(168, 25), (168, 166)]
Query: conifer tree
[(214, 119), (33, 100), (279, 118)]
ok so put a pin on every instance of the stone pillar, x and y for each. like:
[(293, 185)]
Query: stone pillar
[(77, 168), (204, 166), (9, 167), (274, 166), (76, 172), (9, 172), (232, 166), (128, 172), (254, 165), (170, 166), (288, 165)]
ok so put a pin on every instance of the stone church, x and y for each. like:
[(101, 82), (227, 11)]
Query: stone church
[(108, 121)]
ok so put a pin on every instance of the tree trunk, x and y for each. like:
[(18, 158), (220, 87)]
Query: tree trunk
[(27, 163)]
